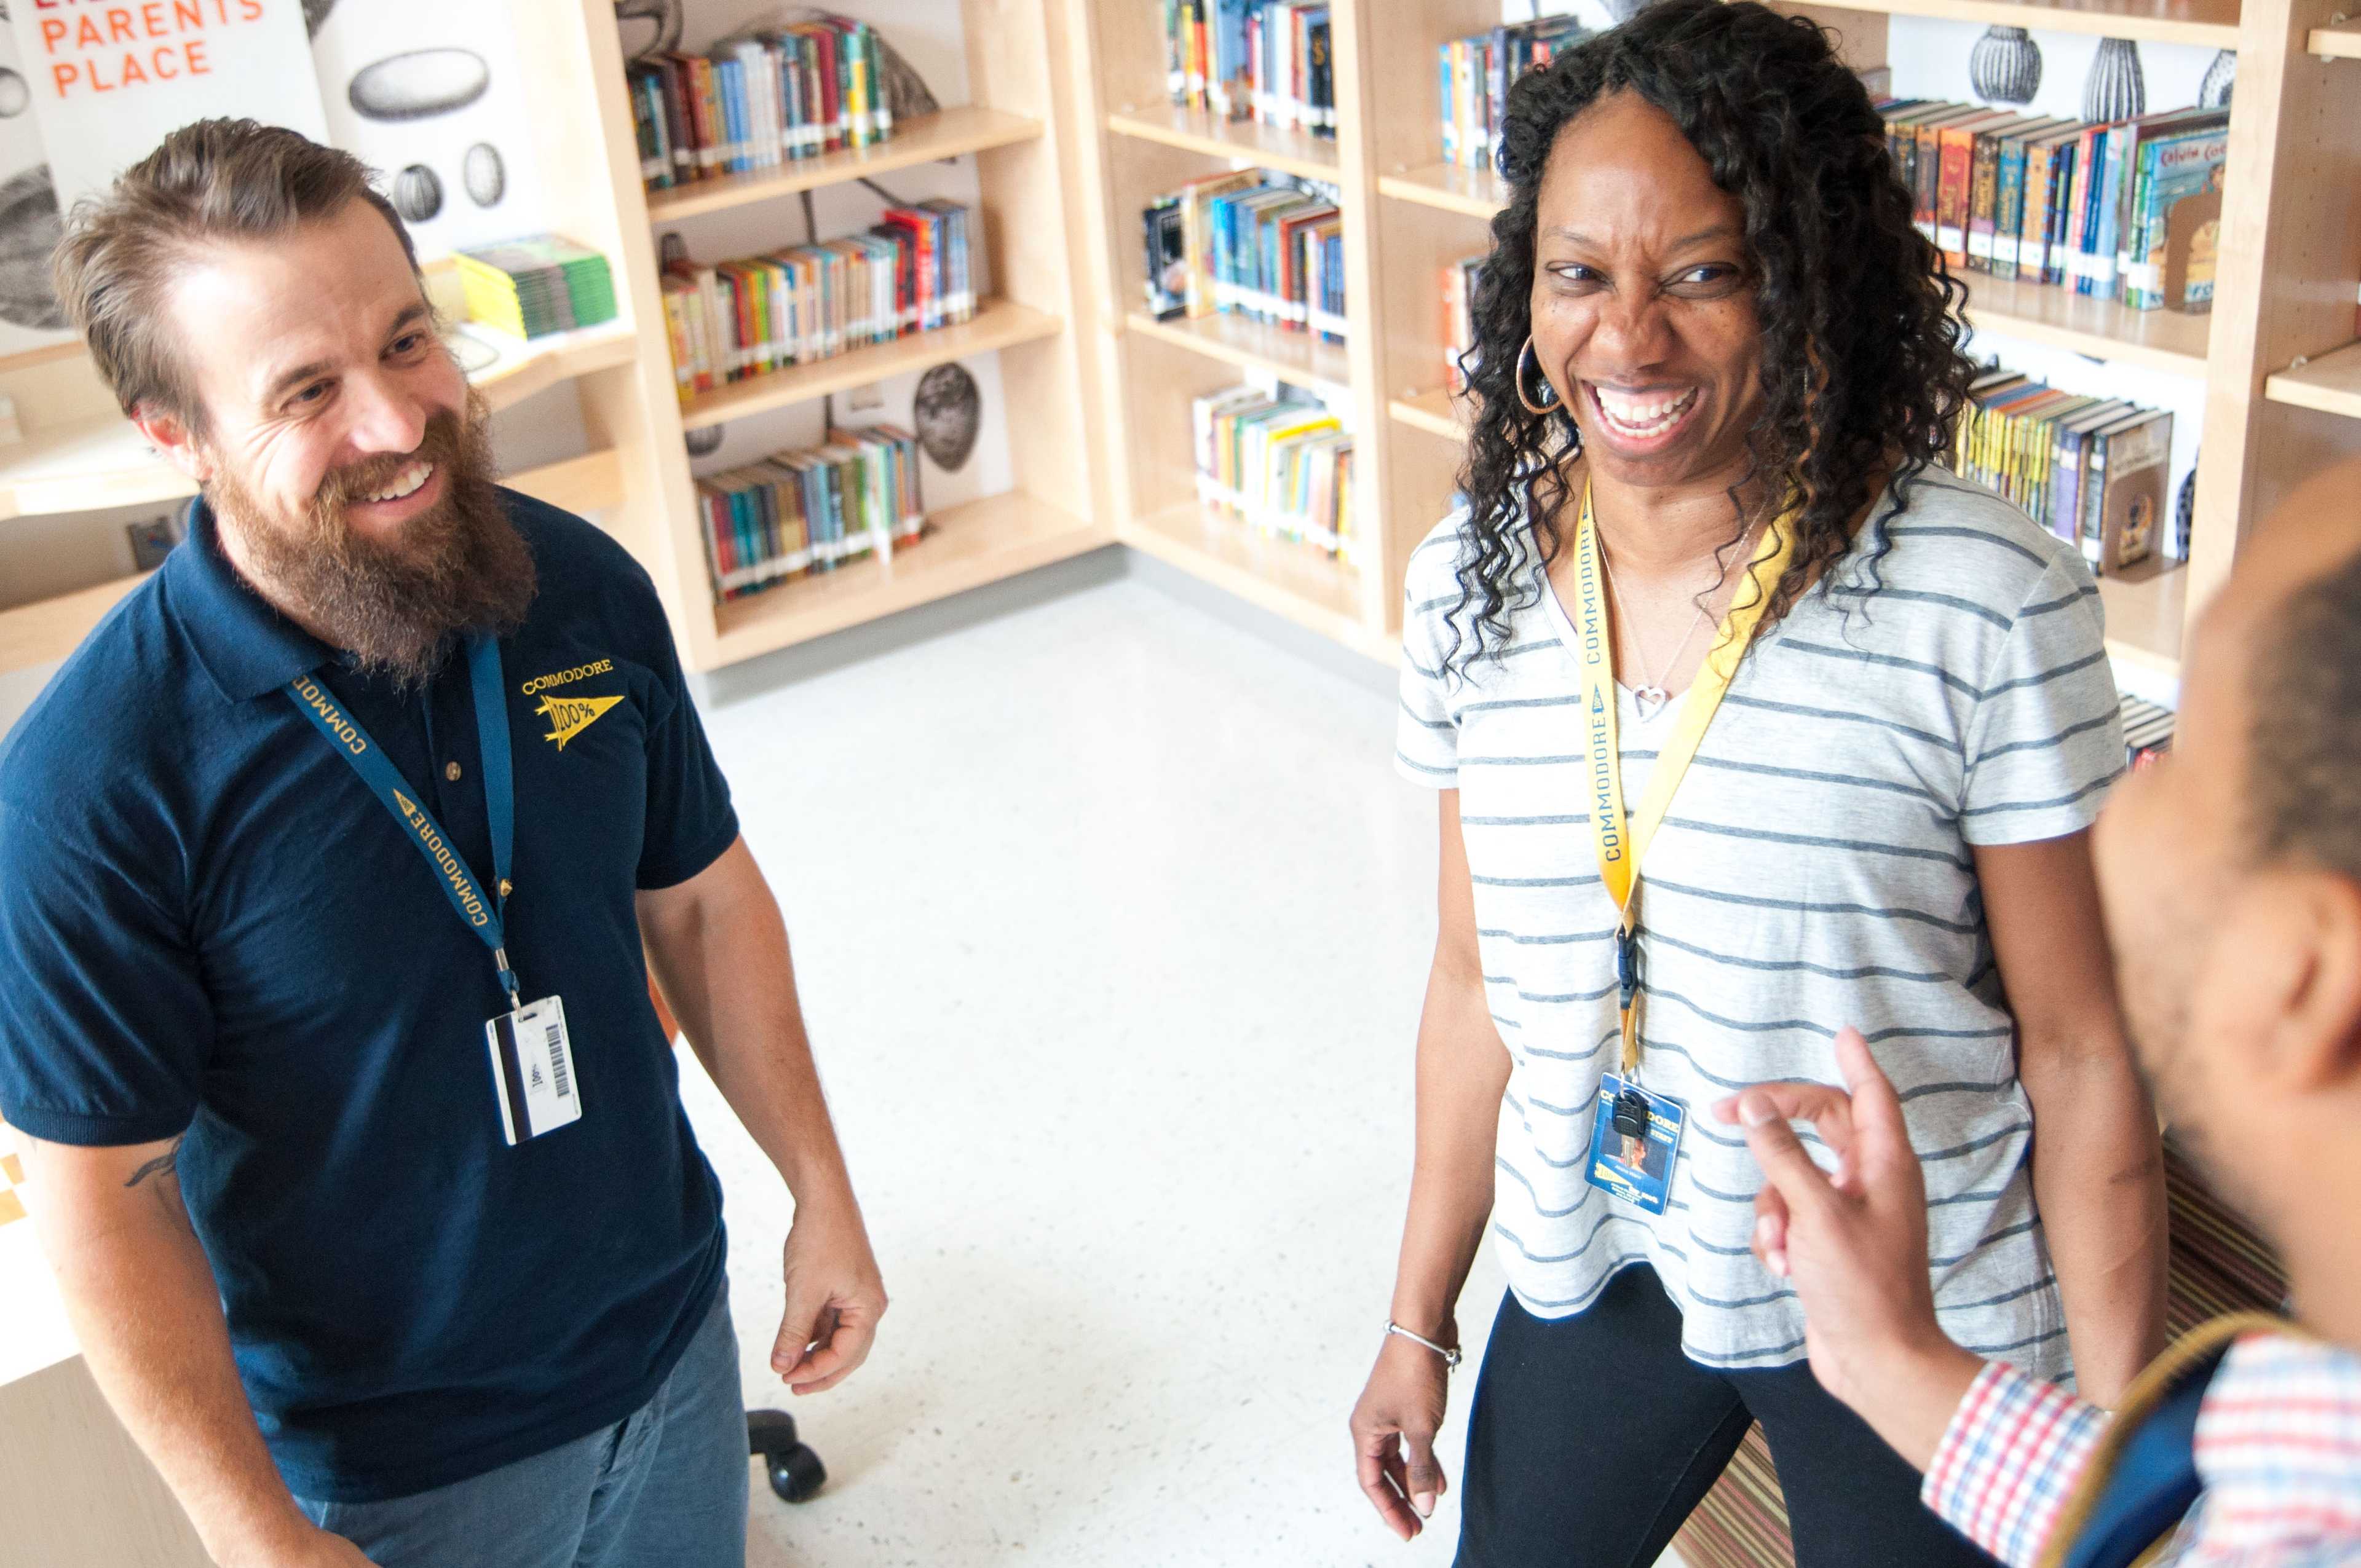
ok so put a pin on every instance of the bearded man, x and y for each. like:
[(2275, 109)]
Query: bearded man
[(327, 869)]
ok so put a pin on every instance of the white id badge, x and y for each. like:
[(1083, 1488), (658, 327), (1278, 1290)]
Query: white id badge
[(532, 1070)]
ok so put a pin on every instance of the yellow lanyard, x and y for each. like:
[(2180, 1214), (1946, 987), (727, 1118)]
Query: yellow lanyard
[(1620, 841)]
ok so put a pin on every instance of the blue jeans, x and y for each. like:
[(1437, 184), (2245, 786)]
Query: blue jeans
[(665, 1489)]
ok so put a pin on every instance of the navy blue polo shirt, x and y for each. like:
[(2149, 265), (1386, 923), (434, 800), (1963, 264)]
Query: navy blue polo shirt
[(209, 925)]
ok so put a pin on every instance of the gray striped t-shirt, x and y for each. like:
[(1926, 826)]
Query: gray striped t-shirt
[(1814, 870)]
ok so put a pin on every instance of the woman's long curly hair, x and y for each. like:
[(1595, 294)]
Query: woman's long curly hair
[(1863, 377)]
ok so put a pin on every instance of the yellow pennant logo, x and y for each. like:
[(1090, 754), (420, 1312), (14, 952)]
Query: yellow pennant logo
[(570, 716)]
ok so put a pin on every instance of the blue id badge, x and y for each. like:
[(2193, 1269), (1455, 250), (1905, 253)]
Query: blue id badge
[(1634, 1138)]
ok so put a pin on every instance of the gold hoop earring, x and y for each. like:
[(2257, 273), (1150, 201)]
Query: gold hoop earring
[(1547, 404)]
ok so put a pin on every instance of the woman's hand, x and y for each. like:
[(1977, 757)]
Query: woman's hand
[(1394, 1425)]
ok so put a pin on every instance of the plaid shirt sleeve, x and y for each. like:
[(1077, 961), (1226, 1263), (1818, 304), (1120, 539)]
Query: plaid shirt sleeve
[(2007, 1461)]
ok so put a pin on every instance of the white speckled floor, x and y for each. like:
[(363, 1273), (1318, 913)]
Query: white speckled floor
[(1113, 921)]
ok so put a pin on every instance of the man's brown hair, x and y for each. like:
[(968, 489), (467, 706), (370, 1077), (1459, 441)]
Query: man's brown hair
[(214, 182)]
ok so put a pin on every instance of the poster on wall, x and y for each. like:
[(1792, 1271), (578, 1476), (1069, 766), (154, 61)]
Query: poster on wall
[(88, 87), (111, 78)]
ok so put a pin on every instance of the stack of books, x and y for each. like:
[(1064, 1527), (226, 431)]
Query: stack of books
[(1281, 465), (2091, 470), (810, 511), (1262, 244), (758, 314), (2129, 212), (1477, 72), (540, 284), (2148, 732), (757, 100), (1260, 59)]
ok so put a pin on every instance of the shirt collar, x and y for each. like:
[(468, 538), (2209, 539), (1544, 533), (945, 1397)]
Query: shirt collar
[(247, 647)]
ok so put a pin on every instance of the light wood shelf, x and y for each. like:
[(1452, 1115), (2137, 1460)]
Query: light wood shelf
[(96, 464), (997, 323), (926, 140), (970, 546), (1297, 356), (2340, 40), (1473, 192), (48, 630), (2145, 617), (2165, 340), (1437, 412), (2332, 384), (1194, 130), (2211, 24), (1297, 581)]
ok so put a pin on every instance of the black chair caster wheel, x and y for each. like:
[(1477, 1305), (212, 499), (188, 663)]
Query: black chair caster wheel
[(797, 1474)]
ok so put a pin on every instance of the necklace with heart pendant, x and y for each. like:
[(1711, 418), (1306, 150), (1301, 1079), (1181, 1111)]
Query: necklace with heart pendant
[(1649, 698)]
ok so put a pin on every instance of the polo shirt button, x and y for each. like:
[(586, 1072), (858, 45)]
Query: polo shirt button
[(451, 772)]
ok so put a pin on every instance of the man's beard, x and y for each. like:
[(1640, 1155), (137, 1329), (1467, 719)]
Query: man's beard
[(395, 605)]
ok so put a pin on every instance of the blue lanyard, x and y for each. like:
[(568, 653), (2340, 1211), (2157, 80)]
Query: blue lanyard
[(484, 915)]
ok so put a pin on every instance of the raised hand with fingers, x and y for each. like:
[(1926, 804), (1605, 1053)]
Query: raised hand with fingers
[(1854, 1244)]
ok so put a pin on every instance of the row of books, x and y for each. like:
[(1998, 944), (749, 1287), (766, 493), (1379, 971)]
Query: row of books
[(810, 511), (1281, 465), (1260, 59), (540, 284), (1475, 73), (2129, 211), (1263, 245), (758, 100), (2091, 470), (760, 314)]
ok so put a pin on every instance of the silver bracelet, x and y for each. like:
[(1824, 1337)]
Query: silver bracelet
[(1450, 1353)]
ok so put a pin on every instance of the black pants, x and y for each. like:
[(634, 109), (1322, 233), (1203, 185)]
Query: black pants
[(1593, 1436)]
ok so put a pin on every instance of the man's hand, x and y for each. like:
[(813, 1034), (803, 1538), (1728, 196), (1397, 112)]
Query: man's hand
[(1855, 1247), (312, 1549), (835, 1297)]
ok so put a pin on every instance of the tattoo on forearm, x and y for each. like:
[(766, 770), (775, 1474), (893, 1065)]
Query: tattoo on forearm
[(165, 1163)]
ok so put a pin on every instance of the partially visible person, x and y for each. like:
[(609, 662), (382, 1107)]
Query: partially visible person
[(325, 869), (2230, 874), (1739, 708)]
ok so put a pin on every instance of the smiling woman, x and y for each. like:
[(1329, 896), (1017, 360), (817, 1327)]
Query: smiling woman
[(1748, 724)]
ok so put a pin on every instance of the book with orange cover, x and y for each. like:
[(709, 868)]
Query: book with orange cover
[(1955, 190)]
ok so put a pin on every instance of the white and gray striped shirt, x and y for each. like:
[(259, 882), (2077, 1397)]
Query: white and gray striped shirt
[(1814, 870)]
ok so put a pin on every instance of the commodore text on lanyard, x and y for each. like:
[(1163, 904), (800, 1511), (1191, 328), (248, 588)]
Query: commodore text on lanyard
[(533, 1061), (1636, 1134)]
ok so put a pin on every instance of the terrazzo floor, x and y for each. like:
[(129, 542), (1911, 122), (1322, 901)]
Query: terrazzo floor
[(1112, 922)]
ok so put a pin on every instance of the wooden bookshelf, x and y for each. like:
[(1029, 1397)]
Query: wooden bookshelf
[(926, 140), (2173, 341), (2211, 24), (47, 629), (2147, 617), (1273, 147), (1298, 581), (966, 547), (998, 324), (2339, 40), (101, 460), (1450, 188), (1297, 356), (1437, 412), (2331, 384)]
